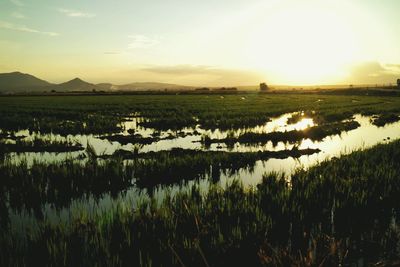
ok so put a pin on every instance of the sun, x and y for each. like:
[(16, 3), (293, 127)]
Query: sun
[(302, 45)]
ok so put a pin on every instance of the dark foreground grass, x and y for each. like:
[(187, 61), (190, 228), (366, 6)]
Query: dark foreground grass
[(338, 213)]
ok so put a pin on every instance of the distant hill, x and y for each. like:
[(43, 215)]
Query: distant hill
[(17, 82), (21, 82), (74, 85)]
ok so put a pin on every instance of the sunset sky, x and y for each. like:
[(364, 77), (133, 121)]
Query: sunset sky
[(208, 42)]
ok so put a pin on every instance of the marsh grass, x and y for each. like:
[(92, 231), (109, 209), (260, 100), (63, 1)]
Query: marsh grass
[(31, 186), (337, 213), (383, 119), (103, 115), (340, 212), (315, 133), (38, 144)]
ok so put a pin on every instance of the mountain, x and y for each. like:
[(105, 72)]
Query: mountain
[(21, 82), (74, 85), (17, 82)]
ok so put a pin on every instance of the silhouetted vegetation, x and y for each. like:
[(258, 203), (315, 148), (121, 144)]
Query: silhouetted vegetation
[(130, 139), (313, 133), (263, 87), (383, 119), (40, 145)]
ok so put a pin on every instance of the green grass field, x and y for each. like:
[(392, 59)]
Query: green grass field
[(340, 212), (102, 114)]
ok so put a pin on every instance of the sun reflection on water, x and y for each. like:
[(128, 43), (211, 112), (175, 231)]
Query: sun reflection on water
[(301, 125)]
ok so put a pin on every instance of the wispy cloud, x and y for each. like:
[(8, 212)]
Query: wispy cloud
[(76, 13), (375, 72), (142, 41), (17, 2), (200, 74), (395, 67), (23, 28), (18, 15)]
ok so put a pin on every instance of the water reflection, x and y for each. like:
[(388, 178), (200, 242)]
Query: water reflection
[(281, 124), (186, 138), (365, 136)]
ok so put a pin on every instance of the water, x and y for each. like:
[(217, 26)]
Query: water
[(189, 138), (367, 135)]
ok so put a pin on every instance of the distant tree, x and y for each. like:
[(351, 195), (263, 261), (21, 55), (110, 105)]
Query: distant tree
[(398, 83), (203, 89), (263, 87)]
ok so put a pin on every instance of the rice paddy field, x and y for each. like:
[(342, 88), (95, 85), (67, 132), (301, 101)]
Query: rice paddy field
[(257, 179)]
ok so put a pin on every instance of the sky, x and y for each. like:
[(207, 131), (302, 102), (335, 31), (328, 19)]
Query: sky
[(203, 43)]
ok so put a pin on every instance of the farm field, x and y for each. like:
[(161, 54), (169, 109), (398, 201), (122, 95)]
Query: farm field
[(199, 179)]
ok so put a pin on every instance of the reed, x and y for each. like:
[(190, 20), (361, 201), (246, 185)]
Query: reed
[(337, 213), (103, 115)]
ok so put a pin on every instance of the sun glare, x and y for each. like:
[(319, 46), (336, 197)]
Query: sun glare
[(302, 124), (302, 45)]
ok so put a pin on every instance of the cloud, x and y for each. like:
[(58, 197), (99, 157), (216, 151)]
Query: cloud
[(142, 41), (17, 15), (205, 75), (22, 28), (17, 2), (375, 72), (75, 13), (395, 67)]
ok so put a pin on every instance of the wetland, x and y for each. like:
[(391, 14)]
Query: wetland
[(274, 178)]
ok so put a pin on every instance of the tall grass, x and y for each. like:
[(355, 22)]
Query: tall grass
[(340, 212), (103, 115), (30, 186), (37, 144)]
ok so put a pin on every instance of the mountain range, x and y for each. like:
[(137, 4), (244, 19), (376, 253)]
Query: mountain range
[(17, 82)]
